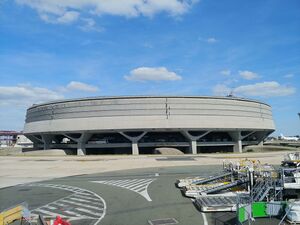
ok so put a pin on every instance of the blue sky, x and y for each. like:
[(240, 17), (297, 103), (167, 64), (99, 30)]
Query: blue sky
[(51, 49)]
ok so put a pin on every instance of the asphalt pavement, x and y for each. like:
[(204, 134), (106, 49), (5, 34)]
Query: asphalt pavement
[(129, 197)]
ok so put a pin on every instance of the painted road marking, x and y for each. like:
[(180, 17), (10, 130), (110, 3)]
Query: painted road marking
[(84, 197), (136, 184), (139, 186), (45, 212), (88, 211), (51, 207), (76, 203), (204, 219), (76, 214), (81, 204), (80, 200)]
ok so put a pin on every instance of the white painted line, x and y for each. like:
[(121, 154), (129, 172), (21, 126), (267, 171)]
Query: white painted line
[(204, 219), (61, 204), (119, 182), (46, 212), (84, 197), (96, 204), (76, 214), (82, 205), (80, 200), (87, 194), (50, 207), (145, 195), (113, 182), (123, 182), (76, 191), (72, 198), (104, 182), (140, 189), (130, 184), (141, 185), (88, 211)]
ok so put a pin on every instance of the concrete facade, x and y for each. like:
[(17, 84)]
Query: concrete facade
[(193, 123)]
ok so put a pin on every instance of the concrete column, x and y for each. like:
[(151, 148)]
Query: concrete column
[(135, 148), (238, 148), (193, 147), (81, 150), (134, 142), (237, 138), (47, 140), (193, 140)]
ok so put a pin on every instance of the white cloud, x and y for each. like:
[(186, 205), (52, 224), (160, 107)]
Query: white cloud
[(225, 72), (248, 75), (68, 17), (152, 74), (290, 75), (67, 11), (79, 86), (89, 24), (65, 18), (26, 95), (230, 81), (221, 90), (211, 40), (263, 89)]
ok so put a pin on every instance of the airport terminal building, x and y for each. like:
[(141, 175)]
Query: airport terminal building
[(139, 124)]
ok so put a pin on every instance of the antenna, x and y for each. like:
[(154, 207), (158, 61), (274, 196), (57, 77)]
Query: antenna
[(230, 93)]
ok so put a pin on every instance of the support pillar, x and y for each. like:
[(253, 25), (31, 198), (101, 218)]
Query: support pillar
[(47, 140), (135, 148), (238, 148), (237, 138), (193, 147), (134, 142), (193, 140), (81, 150)]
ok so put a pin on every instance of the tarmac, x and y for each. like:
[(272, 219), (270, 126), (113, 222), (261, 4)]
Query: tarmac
[(16, 170), (115, 189), (145, 196)]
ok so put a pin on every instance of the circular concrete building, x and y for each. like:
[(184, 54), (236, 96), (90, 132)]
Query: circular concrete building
[(139, 124)]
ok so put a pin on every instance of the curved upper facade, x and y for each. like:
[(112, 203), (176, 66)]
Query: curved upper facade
[(112, 124), (148, 113)]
